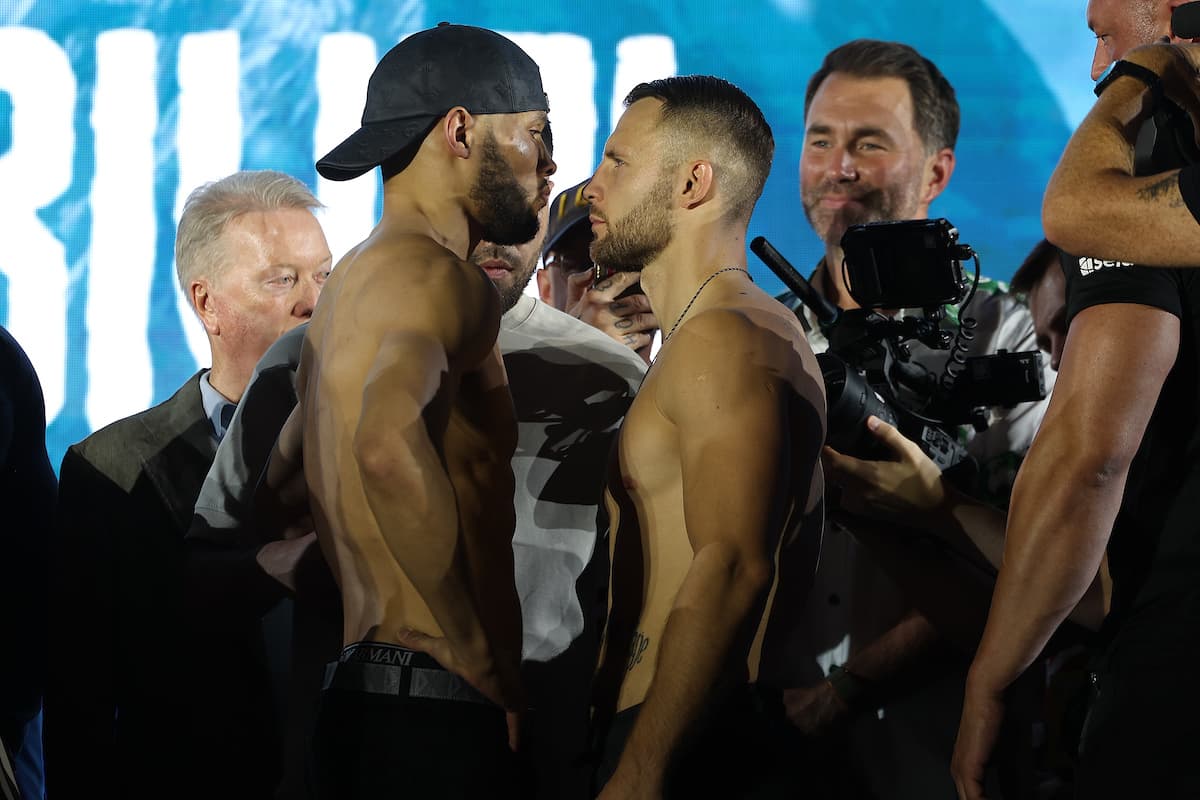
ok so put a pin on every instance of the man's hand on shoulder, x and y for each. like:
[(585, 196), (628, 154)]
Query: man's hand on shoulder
[(627, 320)]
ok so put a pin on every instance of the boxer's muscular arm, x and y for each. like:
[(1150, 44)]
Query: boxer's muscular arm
[(730, 411), (480, 470), (1064, 503), (410, 385)]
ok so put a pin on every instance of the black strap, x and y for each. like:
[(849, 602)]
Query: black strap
[(1129, 69)]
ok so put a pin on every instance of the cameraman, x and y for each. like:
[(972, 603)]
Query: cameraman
[(910, 485), (1114, 466), (881, 124)]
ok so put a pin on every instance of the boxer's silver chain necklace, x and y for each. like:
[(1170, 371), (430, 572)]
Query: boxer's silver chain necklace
[(688, 307)]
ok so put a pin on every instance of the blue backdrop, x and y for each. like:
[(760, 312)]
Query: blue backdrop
[(110, 112)]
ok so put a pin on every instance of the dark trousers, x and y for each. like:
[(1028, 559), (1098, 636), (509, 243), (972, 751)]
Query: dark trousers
[(1141, 736), (374, 738), (744, 749)]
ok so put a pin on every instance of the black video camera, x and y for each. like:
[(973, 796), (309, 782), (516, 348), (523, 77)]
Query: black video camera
[(869, 368)]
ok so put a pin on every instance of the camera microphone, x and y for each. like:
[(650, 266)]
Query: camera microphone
[(826, 312)]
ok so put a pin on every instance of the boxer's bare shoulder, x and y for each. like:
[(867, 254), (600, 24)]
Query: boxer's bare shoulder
[(405, 282)]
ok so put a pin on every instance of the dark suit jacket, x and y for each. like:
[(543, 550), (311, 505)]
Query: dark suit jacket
[(140, 701), (306, 632), (27, 500)]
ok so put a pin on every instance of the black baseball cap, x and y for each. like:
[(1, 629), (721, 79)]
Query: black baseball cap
[(567, 210), (425, 76)]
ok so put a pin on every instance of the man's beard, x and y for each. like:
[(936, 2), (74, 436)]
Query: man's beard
[(641, 235), (520, 274), (873, 204), (504, 213)]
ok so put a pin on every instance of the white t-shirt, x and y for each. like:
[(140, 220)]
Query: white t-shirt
[(571, 386)]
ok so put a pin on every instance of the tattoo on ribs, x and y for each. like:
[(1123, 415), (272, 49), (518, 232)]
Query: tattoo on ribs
[(637, 649), (1163, 188)]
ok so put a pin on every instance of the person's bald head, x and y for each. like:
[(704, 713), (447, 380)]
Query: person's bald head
[(1122, 25)]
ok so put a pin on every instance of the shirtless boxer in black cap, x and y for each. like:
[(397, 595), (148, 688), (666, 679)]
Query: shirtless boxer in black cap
[(407, 429)]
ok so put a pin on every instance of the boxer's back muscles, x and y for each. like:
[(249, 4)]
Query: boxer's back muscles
[(716, 484), (408, 432)]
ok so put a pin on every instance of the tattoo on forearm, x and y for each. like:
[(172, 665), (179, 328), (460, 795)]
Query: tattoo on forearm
[(637, 649), (1167, 187)]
